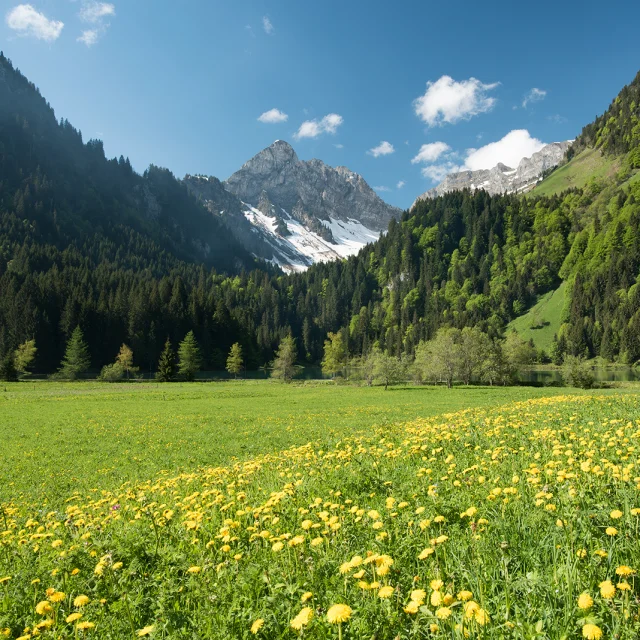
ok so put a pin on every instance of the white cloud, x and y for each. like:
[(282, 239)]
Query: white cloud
[(89, 37), (339, 146), (509, 150), (381, 189), (449, 101), (535, 95), (267, 26), (431, 152), (400, 184), (273, 116), (94, 12), (313, 128), (517, 144), (438, 172), (26, 21), (383, 149)]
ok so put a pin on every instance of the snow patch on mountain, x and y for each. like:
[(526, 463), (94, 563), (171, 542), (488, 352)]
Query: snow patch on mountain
[(301, 248)]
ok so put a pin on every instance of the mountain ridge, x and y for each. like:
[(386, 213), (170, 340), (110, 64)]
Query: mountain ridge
[(501, 178)]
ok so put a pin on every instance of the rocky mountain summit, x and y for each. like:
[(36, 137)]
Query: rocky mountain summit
[(503, 179), (310, 187), (292, 212)]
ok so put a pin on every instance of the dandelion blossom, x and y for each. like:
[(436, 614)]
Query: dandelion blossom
[(585, 601), (616, 514), (256, 626), (611, 531), (73, 617), (385, 592), (42, 608), (607, 590), (624, 570), (194, 570), (307, 595), (81, 601), (339, 613), (302, 619), (443, 613), (591, 632), (85, 626), (145, 631)]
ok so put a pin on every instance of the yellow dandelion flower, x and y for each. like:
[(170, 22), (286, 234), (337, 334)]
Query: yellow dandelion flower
[(624, 570), (42, 608), (277, 546), (481, 617), (412, 607), (591, 632), (585, 601), (418, 595), (436, 599), (611, 531), (385, 592), (607, 590), (623, 586), (316, 542), (443, 613), (302, 619), (339, 613), (256, 626), (433, 627), (465, 595), (616, 514), (85, 626), (73, 617), (57, 596), (81, 601), (436, 585), (145, 631), (470, 608), (307, 595), (194, 570), (425, 553), (5, 579)]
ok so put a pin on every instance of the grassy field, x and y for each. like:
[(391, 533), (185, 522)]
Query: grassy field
[(542, 321), (270, 511), (576, 173), (60, 437)]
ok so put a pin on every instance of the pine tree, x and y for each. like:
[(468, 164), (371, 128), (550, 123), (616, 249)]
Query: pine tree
[(76, 358), (166, 364), (24, 356), (189, 359), (234, 361), (8, 372), (284, 365)]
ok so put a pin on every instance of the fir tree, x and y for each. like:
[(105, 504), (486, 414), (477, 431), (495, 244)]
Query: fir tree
[(166, 364), (76, 358), (234, 361), (189, 359), (8, 371)]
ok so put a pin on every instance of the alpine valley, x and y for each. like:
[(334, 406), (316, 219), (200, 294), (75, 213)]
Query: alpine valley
[(136, 259)]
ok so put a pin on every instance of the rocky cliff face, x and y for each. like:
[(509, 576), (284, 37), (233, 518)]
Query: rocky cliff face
[(503, 179), (294, 213), (311, 188)]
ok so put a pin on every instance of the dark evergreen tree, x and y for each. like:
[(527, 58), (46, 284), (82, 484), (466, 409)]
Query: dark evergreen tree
[(166, 364), (76, 359)]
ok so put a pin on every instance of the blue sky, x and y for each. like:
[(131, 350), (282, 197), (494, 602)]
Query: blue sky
[(183, 84)]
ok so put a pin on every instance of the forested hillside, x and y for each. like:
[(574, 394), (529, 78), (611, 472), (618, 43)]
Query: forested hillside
[(86, 241)]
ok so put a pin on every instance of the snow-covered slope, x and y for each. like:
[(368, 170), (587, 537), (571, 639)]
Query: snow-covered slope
[(301, 247)]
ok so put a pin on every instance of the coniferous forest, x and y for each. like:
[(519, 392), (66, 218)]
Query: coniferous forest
[(85, 241)]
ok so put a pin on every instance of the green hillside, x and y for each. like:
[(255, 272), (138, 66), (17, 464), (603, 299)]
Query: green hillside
[(543, 320), (589, 164)]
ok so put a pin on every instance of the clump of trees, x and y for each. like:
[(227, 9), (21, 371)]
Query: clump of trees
[(16, 365), (122, 368)]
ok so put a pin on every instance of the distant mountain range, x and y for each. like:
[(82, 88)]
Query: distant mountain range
[(503, 179), (295, 213)]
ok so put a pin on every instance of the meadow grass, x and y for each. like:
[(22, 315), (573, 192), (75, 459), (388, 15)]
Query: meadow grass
[(586, 165), (61, 437), (475, 513), (543, 320)]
